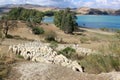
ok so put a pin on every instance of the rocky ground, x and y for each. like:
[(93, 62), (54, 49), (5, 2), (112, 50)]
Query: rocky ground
[(42, 71)]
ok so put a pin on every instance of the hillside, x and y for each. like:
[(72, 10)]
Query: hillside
[(97, 11), (82, 10), (34, 50), (117, 12), (30, 70), (41, 71), (8, 7)]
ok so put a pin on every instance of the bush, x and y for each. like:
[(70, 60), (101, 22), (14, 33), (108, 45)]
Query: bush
[(68, 52), (118, 34), (53, 45), (0, 34), (9, 36), (101, 63), (50, 36), (19, 56), (37, 30)]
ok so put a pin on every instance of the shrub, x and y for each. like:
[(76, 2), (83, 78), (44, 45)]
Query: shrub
[(50, 36), (9, 36), (68, 52), (53, 45), (118, 34), (19, 56), (0, 34), (38, 30), (101, 63)]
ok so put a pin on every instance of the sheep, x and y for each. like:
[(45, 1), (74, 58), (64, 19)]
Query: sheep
[(37, 51)]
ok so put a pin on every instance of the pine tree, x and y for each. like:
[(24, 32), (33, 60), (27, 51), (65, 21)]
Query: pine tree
[(65, 20)]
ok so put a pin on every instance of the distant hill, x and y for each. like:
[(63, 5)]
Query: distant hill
[(97, 11), (82, 10), (117, 12), (8, 7)]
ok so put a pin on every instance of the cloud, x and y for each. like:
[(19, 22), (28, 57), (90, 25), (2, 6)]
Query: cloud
[(108, 3), (68, 3), (88, 4)]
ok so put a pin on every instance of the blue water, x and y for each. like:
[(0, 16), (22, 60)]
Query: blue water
[(94, 21)]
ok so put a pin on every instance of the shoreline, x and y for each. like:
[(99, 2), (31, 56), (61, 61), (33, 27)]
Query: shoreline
[(94, 30)]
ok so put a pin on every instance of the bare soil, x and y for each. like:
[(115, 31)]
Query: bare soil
[(42, 71)]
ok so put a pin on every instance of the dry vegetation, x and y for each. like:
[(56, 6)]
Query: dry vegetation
[(104, 42)]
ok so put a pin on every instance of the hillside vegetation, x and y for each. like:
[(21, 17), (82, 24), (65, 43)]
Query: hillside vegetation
[(24, 25)]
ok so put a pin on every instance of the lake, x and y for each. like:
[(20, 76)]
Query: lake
[(94, 21)]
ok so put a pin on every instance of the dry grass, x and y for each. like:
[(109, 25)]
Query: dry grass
[(95, 38), (100, 63), (5, 61), (108, 60)]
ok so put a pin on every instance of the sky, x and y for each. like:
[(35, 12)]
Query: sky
[(68, 3)]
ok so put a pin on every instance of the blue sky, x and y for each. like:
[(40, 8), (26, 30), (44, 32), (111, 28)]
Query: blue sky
[(68, 3)]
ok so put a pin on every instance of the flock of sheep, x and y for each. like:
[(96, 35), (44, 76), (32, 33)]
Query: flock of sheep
[(40, 52)]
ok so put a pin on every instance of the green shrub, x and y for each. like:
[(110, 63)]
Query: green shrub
[(101, 63), (0, 34), (94, 38), (118, 34), (53, 45), (38, 30), (50, 36), (68, 52), (9, 36), (19, 56)]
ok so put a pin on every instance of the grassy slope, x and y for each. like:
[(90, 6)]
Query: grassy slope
[(95, 39)]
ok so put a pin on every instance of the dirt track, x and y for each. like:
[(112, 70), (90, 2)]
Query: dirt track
[(42, 71)]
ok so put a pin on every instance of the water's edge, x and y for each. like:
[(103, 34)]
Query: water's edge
[(94, 21)]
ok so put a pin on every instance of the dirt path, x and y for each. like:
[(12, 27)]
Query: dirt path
[(97, 31), (42, 71)]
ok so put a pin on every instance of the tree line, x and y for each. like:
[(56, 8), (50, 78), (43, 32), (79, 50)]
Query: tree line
[(25, 14), (30, 16), (65, 20)]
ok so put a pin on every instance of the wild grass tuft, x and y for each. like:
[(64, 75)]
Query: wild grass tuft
[(101, 63)]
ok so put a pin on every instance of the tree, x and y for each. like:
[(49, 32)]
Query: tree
[(65, 20), (49, 13), (7, 25), (25, 14), (58, 18)]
